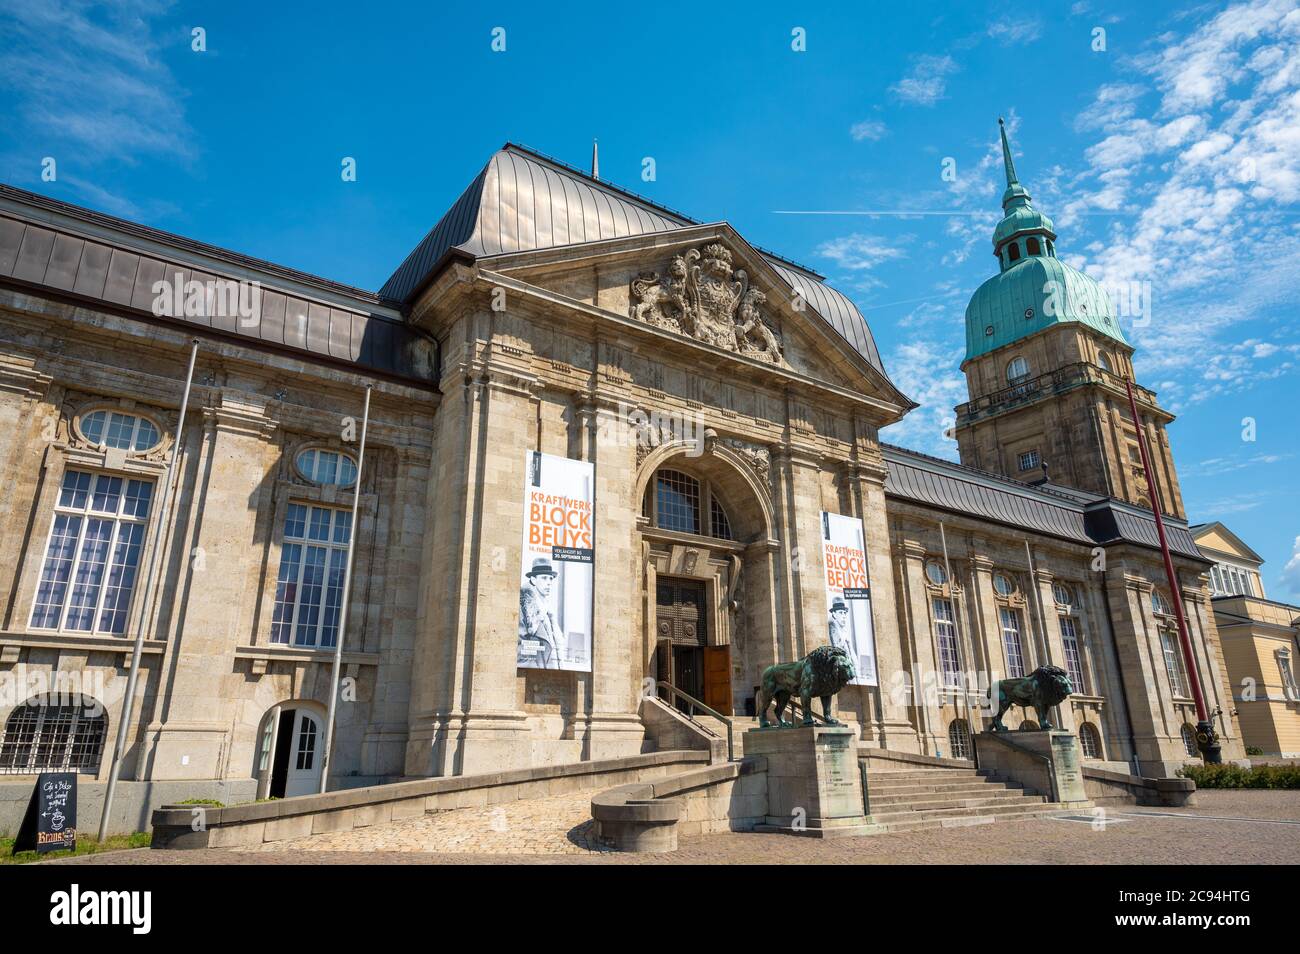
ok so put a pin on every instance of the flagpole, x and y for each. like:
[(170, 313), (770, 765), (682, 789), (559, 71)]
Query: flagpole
[(1206, 738), (343, 603), (160, 519)]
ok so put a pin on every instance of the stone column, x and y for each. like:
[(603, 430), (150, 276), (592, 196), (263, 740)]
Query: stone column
[(1053, 642), (203, 582), (927, 681)]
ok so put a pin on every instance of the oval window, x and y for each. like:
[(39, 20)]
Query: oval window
[(1061, 593), (327, 467), (123, 431), (1002, 583), (935, 573)]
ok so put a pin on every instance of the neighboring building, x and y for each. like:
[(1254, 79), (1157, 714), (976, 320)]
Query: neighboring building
[(1260, 645), (547, 312)]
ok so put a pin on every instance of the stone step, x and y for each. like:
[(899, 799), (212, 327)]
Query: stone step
[(1027, 807), (926, 822), (974, 801), (917, 778), (945, 788)]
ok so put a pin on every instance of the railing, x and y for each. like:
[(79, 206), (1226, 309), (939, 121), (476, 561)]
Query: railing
[(692, 704), (1023, 390)]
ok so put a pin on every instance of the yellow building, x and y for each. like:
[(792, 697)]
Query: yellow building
[(1259, 644)]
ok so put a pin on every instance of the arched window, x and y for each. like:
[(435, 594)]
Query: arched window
[(1033, 247), (327, 467), (123, 431), (1013, 252), (1189, 741), (1160, 604), (676, 501), (1017, 369), (1089, 741), (959, 739), (1104, 362), (54, 734), (1051, 249)]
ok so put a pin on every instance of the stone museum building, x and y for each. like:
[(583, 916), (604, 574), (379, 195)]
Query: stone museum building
[(724, 397)]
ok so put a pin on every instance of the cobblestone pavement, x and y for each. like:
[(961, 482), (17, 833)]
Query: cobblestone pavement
[(557, 825), (1225, 827)]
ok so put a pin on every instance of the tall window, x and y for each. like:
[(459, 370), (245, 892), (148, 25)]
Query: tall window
[(678, 501), (1032, 246), (1013, 252), (1089, 741), (945, 629), (1288, 675), (1011, 642), (1173, 661), (53, 734), (1189, 741), (1073, 654), (959, 739), (309, 590), (1018, 368), (92, 554)]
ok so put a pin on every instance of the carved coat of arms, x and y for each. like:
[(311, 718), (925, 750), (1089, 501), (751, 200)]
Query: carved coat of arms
[(705, 297)]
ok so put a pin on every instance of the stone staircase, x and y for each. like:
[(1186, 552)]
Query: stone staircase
[(918, 798)]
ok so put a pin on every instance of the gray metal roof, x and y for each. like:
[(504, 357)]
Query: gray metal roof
[(101, 260), (1071, 515), (523, 201)]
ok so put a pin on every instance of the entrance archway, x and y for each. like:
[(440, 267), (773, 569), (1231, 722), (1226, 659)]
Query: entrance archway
[(290, 754), (709, 573)]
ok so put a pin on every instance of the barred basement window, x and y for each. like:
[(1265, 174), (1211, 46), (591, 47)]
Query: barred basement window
[(1073, 655), (64, 737), (309, 590), (1011, 642), (1189, 741), (1089, 741), (945, 628), (959, 739), (92, 554)]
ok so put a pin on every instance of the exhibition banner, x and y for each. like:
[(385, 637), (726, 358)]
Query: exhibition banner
[(848, 593), (555, 581)]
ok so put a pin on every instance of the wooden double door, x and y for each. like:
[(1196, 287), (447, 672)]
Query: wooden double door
[(683, 654)]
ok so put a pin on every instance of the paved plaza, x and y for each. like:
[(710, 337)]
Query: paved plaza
[(1237, 827)]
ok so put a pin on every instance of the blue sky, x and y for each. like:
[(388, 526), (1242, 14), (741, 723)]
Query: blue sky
[(1170, 157)]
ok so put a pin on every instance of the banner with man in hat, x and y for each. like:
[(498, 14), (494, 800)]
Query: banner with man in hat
[(848, 593), (555, 582)]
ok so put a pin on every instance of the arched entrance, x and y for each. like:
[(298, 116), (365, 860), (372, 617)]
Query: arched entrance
[(289, 756), (709, 566)]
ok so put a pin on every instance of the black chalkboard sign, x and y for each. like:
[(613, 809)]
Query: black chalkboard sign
[(51, 820)]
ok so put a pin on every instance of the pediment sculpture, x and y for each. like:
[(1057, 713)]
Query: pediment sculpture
[(704, 297)]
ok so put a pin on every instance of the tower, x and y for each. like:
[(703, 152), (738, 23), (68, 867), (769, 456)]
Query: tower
[(1045, 367)]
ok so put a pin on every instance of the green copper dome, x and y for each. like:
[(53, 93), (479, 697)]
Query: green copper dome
[(1034, 288)]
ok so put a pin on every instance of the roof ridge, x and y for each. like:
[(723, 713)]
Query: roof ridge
[(1020, 484)]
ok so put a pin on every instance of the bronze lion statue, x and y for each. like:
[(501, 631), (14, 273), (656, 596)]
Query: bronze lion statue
[(1043, 688), (823, 672)]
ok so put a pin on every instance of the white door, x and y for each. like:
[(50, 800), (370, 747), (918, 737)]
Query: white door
[(304, 757)]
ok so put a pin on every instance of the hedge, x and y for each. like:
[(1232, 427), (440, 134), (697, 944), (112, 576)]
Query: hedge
[(1234, 776)]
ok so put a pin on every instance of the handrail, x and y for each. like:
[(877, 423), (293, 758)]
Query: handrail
[(694, 703)]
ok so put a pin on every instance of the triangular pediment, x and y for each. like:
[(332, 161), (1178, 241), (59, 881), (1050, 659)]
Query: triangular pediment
[(708, 284)]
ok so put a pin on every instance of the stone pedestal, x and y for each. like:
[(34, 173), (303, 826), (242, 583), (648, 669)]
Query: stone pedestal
[(1045, 761), (813, 783)]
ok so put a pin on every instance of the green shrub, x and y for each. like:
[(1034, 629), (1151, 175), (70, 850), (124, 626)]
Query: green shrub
[(209, 802), (1254, 750), (1234, 776)]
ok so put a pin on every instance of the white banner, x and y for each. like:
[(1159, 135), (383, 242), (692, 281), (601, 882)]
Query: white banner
[(555, 581), (848, 593)]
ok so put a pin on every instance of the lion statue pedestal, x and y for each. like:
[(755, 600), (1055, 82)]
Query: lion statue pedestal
[(814, 786), (1045, 762)]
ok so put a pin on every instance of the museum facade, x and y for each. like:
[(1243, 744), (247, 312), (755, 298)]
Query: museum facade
[(608, 447)]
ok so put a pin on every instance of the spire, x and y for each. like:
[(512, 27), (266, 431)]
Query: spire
[(1006, 156), (595, 160)]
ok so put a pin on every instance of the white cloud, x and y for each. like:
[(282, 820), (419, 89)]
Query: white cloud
[(1010, 30), (1291, 572), (859, 252), (927, 372), (872, 129), (927, 81)]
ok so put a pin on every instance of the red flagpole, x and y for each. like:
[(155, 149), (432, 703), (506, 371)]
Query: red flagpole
[(1205, 735)]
